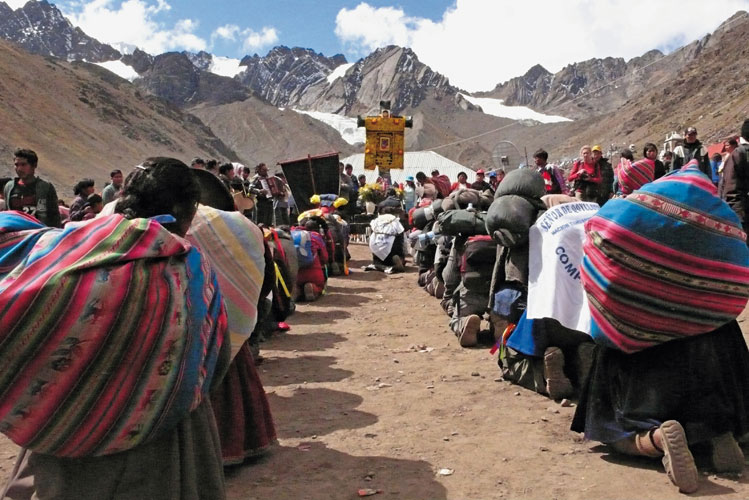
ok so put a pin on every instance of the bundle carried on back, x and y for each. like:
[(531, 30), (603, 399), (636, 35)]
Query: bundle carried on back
[(462, 222), (234, 247), (109, 333), (667, 262)]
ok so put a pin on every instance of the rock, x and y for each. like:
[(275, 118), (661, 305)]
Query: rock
[(383, 385), (446, 438), (475, 374), (551, 409), (566, 403), (430, 387), (517, 393), (543, 448), (445, 472)]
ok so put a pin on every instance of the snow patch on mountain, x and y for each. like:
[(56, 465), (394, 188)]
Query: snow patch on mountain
[(120, 69), (124, 48), (339, 72), (496, 107), (345, 126), (225, 66)]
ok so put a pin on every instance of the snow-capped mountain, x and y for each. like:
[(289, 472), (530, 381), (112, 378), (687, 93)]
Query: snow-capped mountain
[(40, 28)]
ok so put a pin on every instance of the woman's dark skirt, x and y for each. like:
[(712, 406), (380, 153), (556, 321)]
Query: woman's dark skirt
[(702, 382), (242, 412)]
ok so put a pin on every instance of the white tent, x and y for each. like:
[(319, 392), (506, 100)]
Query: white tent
[(417, 161)]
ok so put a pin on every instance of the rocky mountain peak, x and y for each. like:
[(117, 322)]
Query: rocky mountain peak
[(173, 77), (389, 73), (40, 28), (202, 60), (282, 76)]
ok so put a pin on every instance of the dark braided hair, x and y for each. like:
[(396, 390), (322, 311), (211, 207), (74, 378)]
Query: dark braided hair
[(159, 186)]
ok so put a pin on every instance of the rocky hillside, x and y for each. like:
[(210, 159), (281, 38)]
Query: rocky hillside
[(40, 28), (391, 73), (93, 122), (260, 132), (173, 77), (600, 86), (284, 75)]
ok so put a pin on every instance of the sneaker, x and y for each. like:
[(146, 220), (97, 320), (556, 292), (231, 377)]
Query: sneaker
[(469, 334), (309, 292), (677, 459), (558, 386), (727, 455)]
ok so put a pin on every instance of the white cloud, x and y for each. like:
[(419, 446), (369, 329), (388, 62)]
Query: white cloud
[(135, 22), (254, 40), (479, 43), (226, 32)]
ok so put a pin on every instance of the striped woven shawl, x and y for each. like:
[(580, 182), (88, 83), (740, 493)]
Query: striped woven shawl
[(667, 262), (633, 176), (109, 333), (234, 247)]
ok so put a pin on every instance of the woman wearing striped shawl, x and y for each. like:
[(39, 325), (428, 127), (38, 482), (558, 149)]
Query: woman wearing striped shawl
[(113, 332), (666, 271)]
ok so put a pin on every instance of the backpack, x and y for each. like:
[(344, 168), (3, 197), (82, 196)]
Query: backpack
[(303, 244)]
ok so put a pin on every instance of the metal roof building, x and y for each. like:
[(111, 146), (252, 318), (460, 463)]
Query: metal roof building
[(416, 161)]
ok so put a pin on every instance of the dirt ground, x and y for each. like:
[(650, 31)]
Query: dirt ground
[(370, 390)]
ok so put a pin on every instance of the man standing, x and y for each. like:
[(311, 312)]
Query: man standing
[(480, 184), (110, 192), (350, 172), (553, 178), (281, 203), (606, 188), (264, 206), (733, 185), (30, 194), (692, 149), (226, 174)]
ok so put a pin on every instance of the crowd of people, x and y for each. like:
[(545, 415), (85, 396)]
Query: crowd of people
[(616, 284)]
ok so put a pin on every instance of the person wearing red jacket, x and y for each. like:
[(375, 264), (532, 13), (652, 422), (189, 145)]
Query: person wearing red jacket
[(585, 176), (312, 279)]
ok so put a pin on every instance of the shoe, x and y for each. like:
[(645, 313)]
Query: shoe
[(309, 292), (677, 459), (558, 386), (727, 455), (469, 334), (485, 338), (439, 291), (498, 325), (283, 326), (398, 266)]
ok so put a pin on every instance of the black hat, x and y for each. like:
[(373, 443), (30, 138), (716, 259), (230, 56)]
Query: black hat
[(213, 193)]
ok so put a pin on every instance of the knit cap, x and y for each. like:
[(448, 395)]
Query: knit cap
[(667, 262)]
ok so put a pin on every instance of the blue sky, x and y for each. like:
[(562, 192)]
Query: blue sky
[(476, 43)]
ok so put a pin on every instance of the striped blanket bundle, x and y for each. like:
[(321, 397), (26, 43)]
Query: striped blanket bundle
[(110, 331), (234, 247), (634, 175), (668, 261)]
